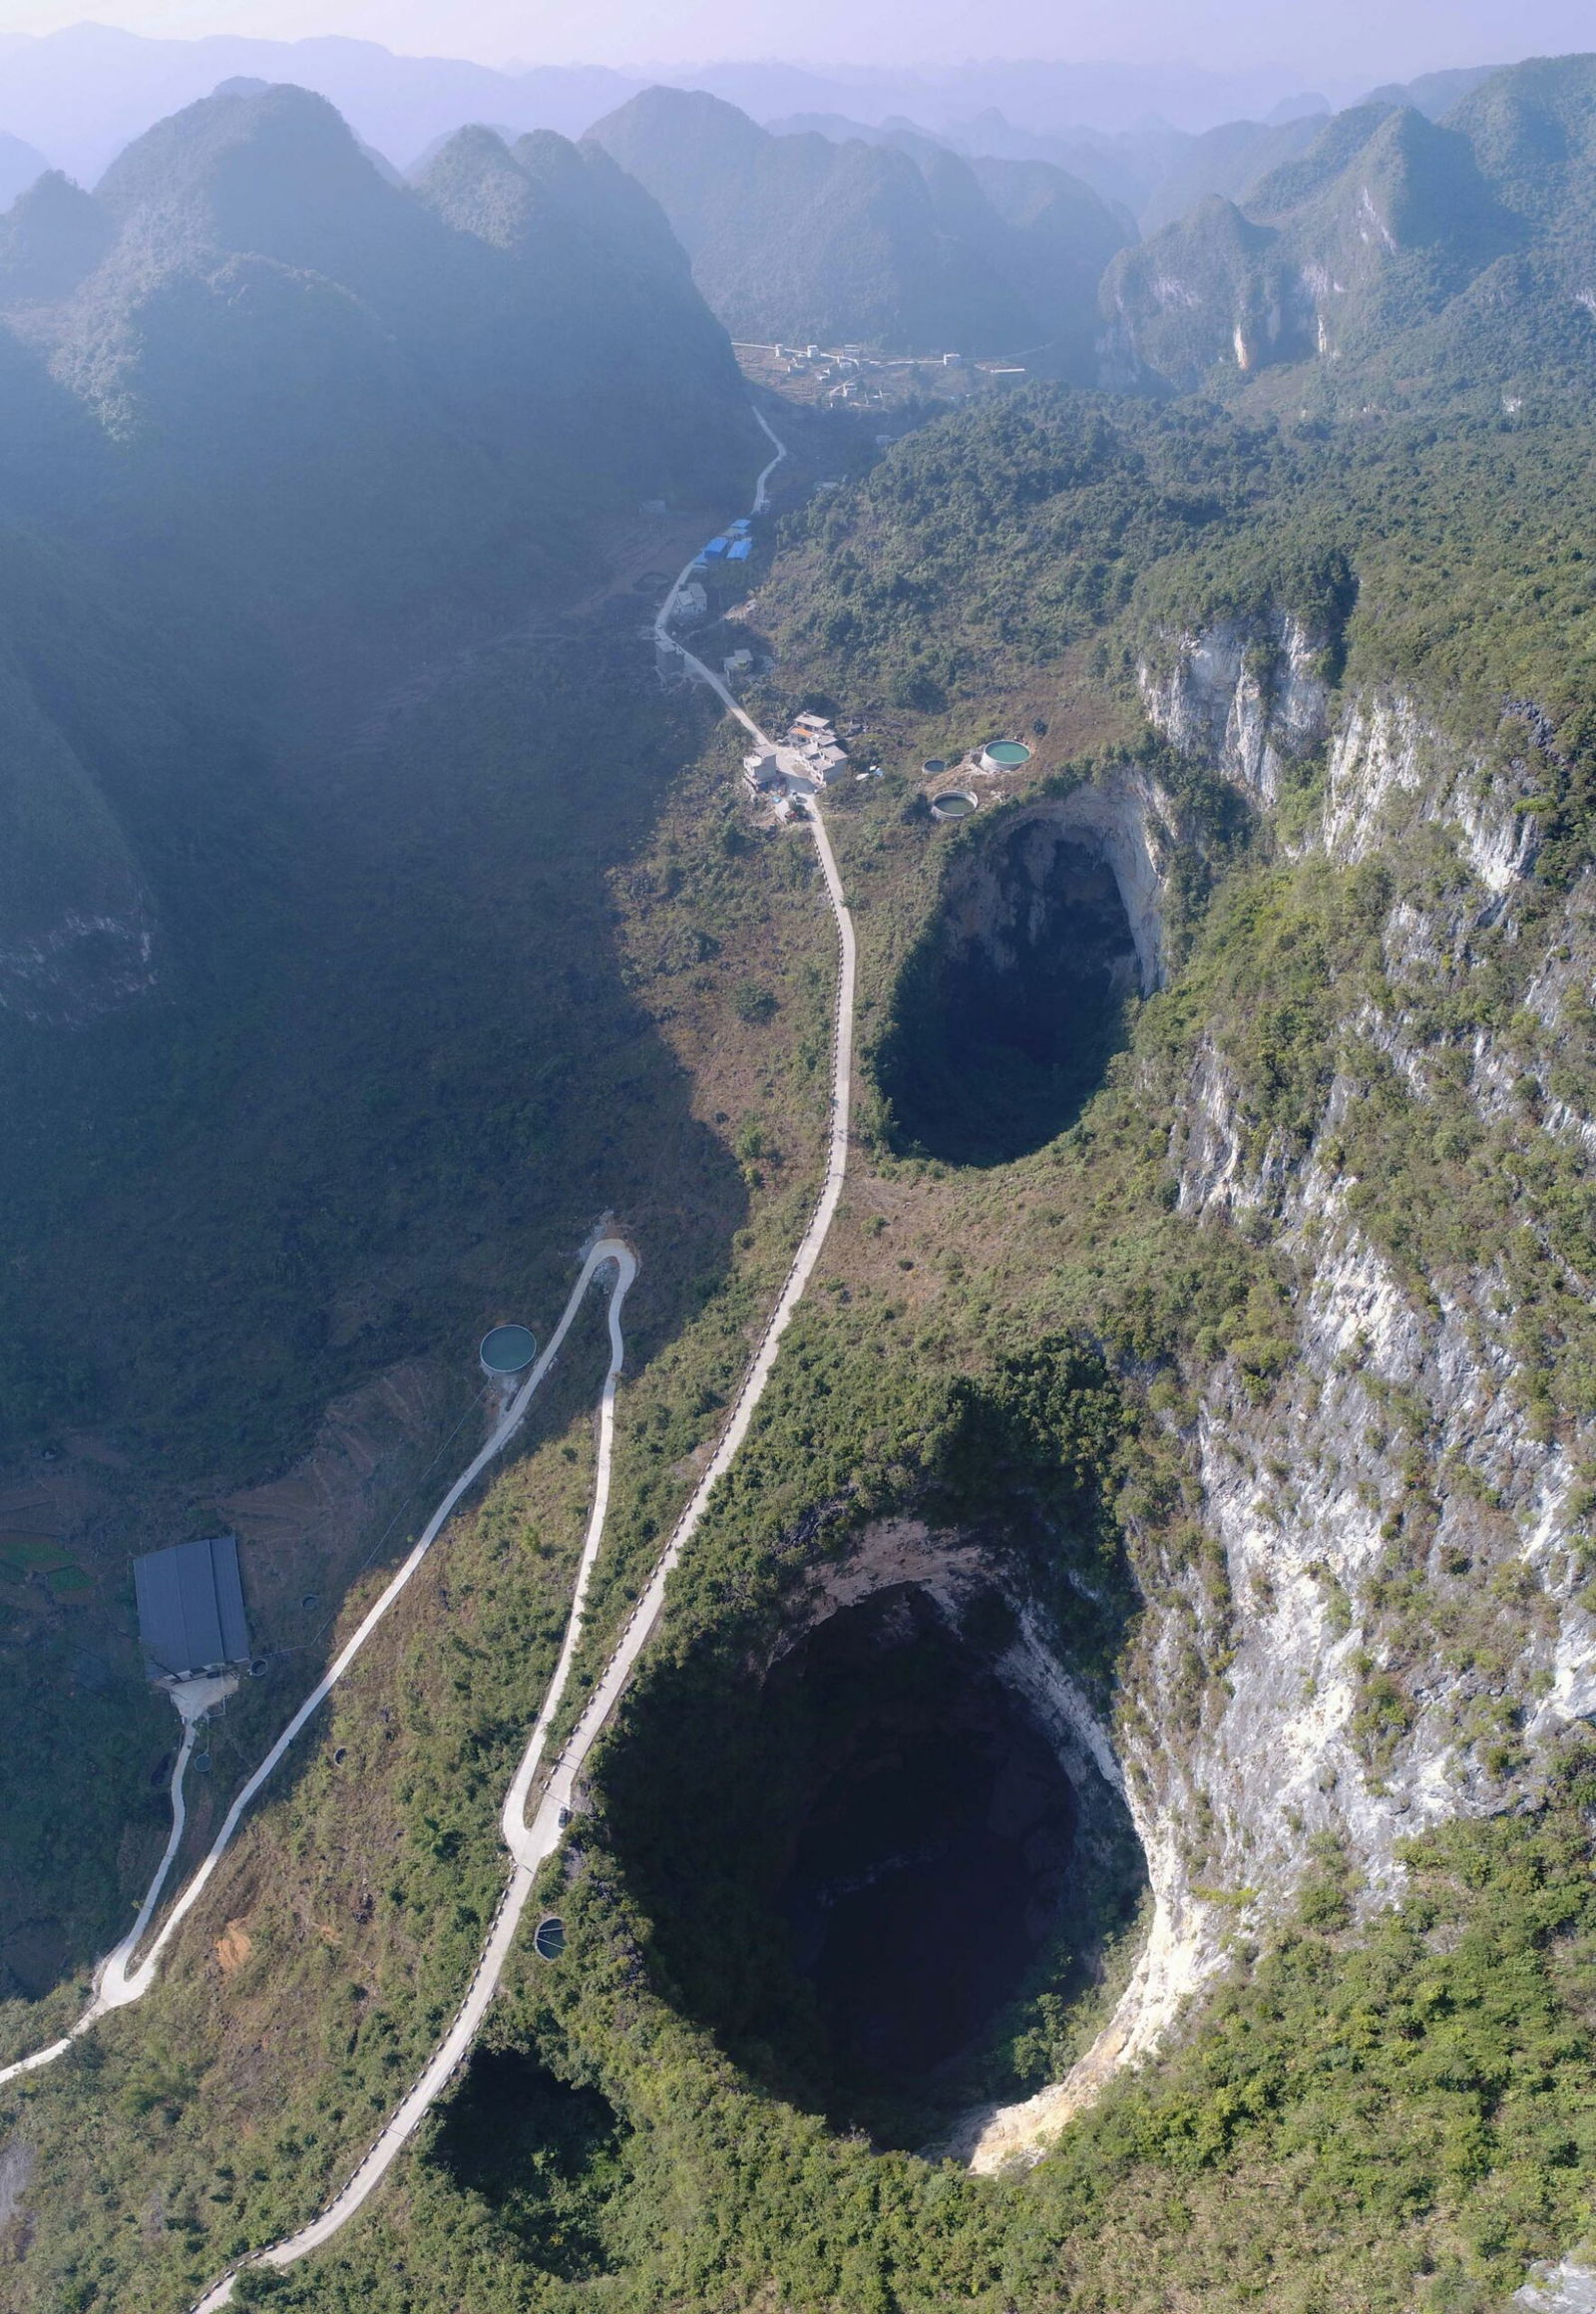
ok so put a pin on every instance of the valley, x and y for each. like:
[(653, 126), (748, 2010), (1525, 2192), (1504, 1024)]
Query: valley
[(1014, 1689)]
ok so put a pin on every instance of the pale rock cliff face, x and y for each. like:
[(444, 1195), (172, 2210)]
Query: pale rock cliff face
[(78, 967), (1389, 767), (1125, 818), (1310, 1717), (1243, 700)]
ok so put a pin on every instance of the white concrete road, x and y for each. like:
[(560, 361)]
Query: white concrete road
[(118, 1982), (531, 1844)]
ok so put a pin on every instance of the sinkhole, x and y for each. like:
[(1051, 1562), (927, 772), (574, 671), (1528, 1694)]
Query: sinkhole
[(548, 2157), (860, 1869), (1012, 1004)]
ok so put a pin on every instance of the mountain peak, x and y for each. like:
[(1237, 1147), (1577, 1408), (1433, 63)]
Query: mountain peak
[(50, 240)]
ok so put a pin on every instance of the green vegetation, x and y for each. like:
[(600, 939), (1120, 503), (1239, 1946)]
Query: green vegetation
[(1409, 2099), (555, 989), (1394, 256), (897, 243)]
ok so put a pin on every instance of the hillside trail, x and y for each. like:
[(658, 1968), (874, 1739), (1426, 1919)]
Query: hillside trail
[(121, 1978), (531, 1844), (118, 1982)]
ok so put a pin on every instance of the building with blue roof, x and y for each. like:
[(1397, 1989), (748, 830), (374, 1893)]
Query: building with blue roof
[(739, 550), (717, 546)]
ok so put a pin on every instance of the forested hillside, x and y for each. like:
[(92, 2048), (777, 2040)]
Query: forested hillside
[(299, 475), (1394, 253), (1106, 1821), (898, 243)]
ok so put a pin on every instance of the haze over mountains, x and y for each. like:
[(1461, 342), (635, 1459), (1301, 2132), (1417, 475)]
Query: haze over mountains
[(1123, 1717), (314, 385), (899, 244), (81, 93), (326, 397), (1474, 235)]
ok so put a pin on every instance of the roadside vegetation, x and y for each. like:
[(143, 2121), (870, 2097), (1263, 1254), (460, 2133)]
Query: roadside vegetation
[(1012, 1350)]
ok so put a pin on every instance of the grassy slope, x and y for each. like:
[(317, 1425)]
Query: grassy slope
[(1407, 2101)]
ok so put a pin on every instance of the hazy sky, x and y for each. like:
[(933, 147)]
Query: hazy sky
[(1360, 39)]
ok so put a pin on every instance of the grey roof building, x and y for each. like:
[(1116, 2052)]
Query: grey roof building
[(190, 1608)]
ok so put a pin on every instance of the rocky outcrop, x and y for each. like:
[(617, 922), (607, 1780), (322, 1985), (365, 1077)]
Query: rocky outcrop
[(1124, 819), (1285, 1707), (1246, 698), (78, 967), (1391, 767)]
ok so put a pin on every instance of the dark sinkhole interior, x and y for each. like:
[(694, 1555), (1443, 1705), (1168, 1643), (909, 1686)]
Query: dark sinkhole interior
[(856, 1868), (546, 2156), (1012, 1006)]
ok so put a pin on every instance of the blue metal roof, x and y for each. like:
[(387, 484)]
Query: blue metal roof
[(740, 552), (191, 1607), (715, 547)]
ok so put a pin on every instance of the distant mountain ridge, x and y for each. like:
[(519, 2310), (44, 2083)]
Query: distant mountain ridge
[(1463, 247), (83, 93), (282, 395), (899, 244)]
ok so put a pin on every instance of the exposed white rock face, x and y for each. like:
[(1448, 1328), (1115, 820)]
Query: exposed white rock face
[(1564, 2290), (78, 967), (1390, 766), (1241, 700), (1125, 818), (1315, 1711)]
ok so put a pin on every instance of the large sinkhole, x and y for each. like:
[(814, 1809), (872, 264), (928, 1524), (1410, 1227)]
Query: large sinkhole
[(861, 1868), (1010, 1008)]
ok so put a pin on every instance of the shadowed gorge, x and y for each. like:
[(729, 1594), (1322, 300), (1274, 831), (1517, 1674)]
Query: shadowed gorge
[(936, 1845), (1004, 1717), (1007, 1014)]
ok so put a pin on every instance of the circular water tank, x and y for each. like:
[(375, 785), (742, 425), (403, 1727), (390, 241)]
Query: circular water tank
[(508, 1350), (932, 764), (549, 1938), (956, 804), (1004, 755)]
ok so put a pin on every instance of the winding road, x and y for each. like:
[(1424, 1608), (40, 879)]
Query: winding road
[(123, 1978), (530, 1844), (117, 1981)]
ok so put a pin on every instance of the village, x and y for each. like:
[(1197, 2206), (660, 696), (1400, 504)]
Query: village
[(850, 376), (809, 758)]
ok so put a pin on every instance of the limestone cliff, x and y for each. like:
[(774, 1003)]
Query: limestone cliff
[(1393, 1625)]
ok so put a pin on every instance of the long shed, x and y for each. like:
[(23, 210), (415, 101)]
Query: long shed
[(190, 1608)]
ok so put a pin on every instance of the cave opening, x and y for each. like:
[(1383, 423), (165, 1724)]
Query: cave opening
[(1011, 1008), (861, 1868)]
